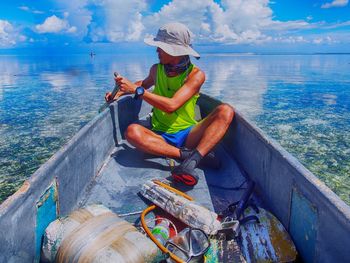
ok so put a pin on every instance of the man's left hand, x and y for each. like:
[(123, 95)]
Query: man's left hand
[(125, 85)]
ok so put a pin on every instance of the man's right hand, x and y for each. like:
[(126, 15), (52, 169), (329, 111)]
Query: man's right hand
[(108, 97)]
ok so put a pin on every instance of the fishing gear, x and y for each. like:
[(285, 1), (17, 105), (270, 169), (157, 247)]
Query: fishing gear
[(190, 213), (232, 215), (148, 231), (190, 244), (179, 247)]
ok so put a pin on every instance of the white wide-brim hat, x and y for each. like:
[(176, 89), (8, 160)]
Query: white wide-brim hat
[(174, 39)]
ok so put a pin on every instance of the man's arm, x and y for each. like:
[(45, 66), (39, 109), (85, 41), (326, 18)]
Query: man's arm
[(149, 81), (190, 88), (146, 83)]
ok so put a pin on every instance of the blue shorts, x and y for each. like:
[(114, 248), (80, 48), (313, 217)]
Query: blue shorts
[(176, 139)]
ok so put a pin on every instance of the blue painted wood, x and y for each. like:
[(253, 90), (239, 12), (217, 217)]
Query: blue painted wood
[(304, 225), (47, 211)]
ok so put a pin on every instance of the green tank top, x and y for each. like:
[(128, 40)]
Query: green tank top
[(183, 117)]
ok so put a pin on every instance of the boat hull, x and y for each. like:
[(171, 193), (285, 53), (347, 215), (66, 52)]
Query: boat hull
[(317, 220)]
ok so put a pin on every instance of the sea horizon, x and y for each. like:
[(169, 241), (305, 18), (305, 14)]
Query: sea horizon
[(148, 51)]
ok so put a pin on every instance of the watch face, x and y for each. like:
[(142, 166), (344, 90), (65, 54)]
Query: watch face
[(139, 91)]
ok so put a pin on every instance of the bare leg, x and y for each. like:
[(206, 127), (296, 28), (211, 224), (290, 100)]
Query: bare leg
[(150, 142), (206, 134)]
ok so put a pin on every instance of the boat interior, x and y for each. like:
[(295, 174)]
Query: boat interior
[(118, 183), (98, 166)]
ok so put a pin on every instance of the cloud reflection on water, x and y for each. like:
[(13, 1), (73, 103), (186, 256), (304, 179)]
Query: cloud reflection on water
[(236, 81), (301, 101)]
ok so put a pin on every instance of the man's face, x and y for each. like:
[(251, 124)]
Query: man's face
[(165, 58)]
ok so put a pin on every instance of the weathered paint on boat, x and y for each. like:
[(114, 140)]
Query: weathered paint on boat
[(318, 221)]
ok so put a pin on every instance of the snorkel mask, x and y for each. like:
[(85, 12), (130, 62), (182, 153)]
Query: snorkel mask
[(189, 245)]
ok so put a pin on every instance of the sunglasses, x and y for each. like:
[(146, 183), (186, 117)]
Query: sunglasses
[(189, 245)]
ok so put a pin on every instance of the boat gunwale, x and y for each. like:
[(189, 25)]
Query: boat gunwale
[(297, 165), (331, 197), (36, 179)]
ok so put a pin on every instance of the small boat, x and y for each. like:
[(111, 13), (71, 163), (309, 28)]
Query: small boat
[(98, 166)]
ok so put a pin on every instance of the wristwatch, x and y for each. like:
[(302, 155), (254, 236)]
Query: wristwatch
[(139, 92)]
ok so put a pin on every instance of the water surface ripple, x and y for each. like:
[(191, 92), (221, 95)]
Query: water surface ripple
[(302, 101)]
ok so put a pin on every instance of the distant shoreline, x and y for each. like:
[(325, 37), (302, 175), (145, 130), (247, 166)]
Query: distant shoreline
[(19, 54)]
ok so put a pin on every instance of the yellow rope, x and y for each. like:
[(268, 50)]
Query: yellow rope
[(173, 189)]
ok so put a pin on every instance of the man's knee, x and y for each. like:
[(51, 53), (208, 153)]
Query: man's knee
[(133, 132), (225, 112)]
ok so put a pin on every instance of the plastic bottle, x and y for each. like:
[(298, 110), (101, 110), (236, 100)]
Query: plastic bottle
[(161, 231)]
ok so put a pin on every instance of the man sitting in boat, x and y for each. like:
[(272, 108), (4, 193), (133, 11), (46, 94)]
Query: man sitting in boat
[(175, 133)]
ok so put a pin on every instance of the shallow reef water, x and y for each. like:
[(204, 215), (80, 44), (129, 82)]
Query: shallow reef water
[(301, 101)]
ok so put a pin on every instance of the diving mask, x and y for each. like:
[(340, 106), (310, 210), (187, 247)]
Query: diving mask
[(189, 245)]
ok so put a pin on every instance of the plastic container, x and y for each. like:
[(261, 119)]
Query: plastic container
[(162, 231)]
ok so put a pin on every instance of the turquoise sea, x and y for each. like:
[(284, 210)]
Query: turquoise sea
[(302, 101)]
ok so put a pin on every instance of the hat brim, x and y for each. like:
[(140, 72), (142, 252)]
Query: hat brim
[(172, 49)]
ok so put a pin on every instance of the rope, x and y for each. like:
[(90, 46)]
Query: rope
[(172, 189), (151, 208)]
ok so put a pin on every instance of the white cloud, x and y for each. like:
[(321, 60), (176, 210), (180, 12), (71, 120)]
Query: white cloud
[(335, 3), (228, 22), (231, 22), (122, 21), (38, 12), (324, 40), (24, 8), (288, 25), (28, 9), (290, 39), (72, 29), (337, 25), (6, 37), (236, 22), (80, 14), (9, 36), (53, 24)]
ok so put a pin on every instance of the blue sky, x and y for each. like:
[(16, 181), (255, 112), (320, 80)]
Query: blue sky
[(228, 25)]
